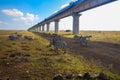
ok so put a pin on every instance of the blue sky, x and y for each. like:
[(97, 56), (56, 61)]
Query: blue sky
[(22, 14)]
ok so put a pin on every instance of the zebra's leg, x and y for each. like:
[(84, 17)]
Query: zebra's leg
[(86, 43), (56, 50), (65, 47), (81, 43), (65, 50), (50, 45)]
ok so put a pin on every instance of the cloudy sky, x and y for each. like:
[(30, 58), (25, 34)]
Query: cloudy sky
[(22, 14)]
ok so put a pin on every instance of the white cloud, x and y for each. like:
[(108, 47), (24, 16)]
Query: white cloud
[(28, 18), (102, 18), (74, 0), (65, 5), (55, 11), (19, 18), (3, 23), (12, 12)]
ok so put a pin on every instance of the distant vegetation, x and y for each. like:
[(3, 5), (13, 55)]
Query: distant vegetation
[(68, 31), (22, 59)]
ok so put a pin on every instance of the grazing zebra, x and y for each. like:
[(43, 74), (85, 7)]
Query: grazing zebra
[(14, 36), (83, 40), (60, 45), (57, 42), (54, 38), (88, 37), (52, 42), (76, 38)]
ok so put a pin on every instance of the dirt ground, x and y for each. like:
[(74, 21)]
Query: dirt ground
[(107, 53)]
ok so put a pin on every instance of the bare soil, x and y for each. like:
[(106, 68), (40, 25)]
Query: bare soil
[(107, 53)]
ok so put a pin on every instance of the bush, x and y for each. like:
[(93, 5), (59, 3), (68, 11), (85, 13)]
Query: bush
[(68, 31)]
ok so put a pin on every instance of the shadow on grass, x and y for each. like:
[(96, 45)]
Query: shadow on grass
[(106, 52)]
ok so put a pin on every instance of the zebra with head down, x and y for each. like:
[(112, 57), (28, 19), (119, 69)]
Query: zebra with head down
[(83, 40), (54, 38), (60, 45), (57, 42), (14, 36)]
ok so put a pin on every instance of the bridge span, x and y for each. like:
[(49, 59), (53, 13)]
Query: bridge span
[(73, 9)]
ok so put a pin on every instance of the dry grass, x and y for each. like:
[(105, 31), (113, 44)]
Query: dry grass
[(34, 60)]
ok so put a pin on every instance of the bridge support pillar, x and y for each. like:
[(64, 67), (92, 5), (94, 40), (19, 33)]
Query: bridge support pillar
[(76, 22), (39, 28), (48, 27), (32, 29), (43, 27), (36, 28), (56, 26)]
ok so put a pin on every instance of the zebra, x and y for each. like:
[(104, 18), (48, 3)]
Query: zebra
[(14, 36), (60, 45), (83, 40), (88, 37), (54, 38), (57, 42), (76, 38), (52, 42)]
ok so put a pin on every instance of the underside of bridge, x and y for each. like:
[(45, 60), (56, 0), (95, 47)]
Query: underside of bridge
[(73, 9)]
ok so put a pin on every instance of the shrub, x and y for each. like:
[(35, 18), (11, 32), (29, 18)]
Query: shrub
[(68, 31)]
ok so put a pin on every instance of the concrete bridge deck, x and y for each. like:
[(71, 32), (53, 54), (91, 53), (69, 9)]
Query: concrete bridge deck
[(73, 9)]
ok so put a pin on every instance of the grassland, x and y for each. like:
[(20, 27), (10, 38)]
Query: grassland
[(34, 60)]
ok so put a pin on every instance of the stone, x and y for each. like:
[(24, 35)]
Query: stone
[(103, 76), (58, 77), (24, 59), (79, 76), (7, 79), (27, 55), (95, 76), (12, 55), (70, 76), (86, 76)]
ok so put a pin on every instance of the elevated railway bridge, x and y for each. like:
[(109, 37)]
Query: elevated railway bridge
[(73, 9)]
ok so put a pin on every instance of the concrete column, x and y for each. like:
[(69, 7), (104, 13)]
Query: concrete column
[(76, 22), (43, 27), (39, 28), (56, 26), (35, 29), (32, 29), (48, 27)]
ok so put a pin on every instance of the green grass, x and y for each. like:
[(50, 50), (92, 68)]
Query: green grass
[(104, 36), (43, 63)]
